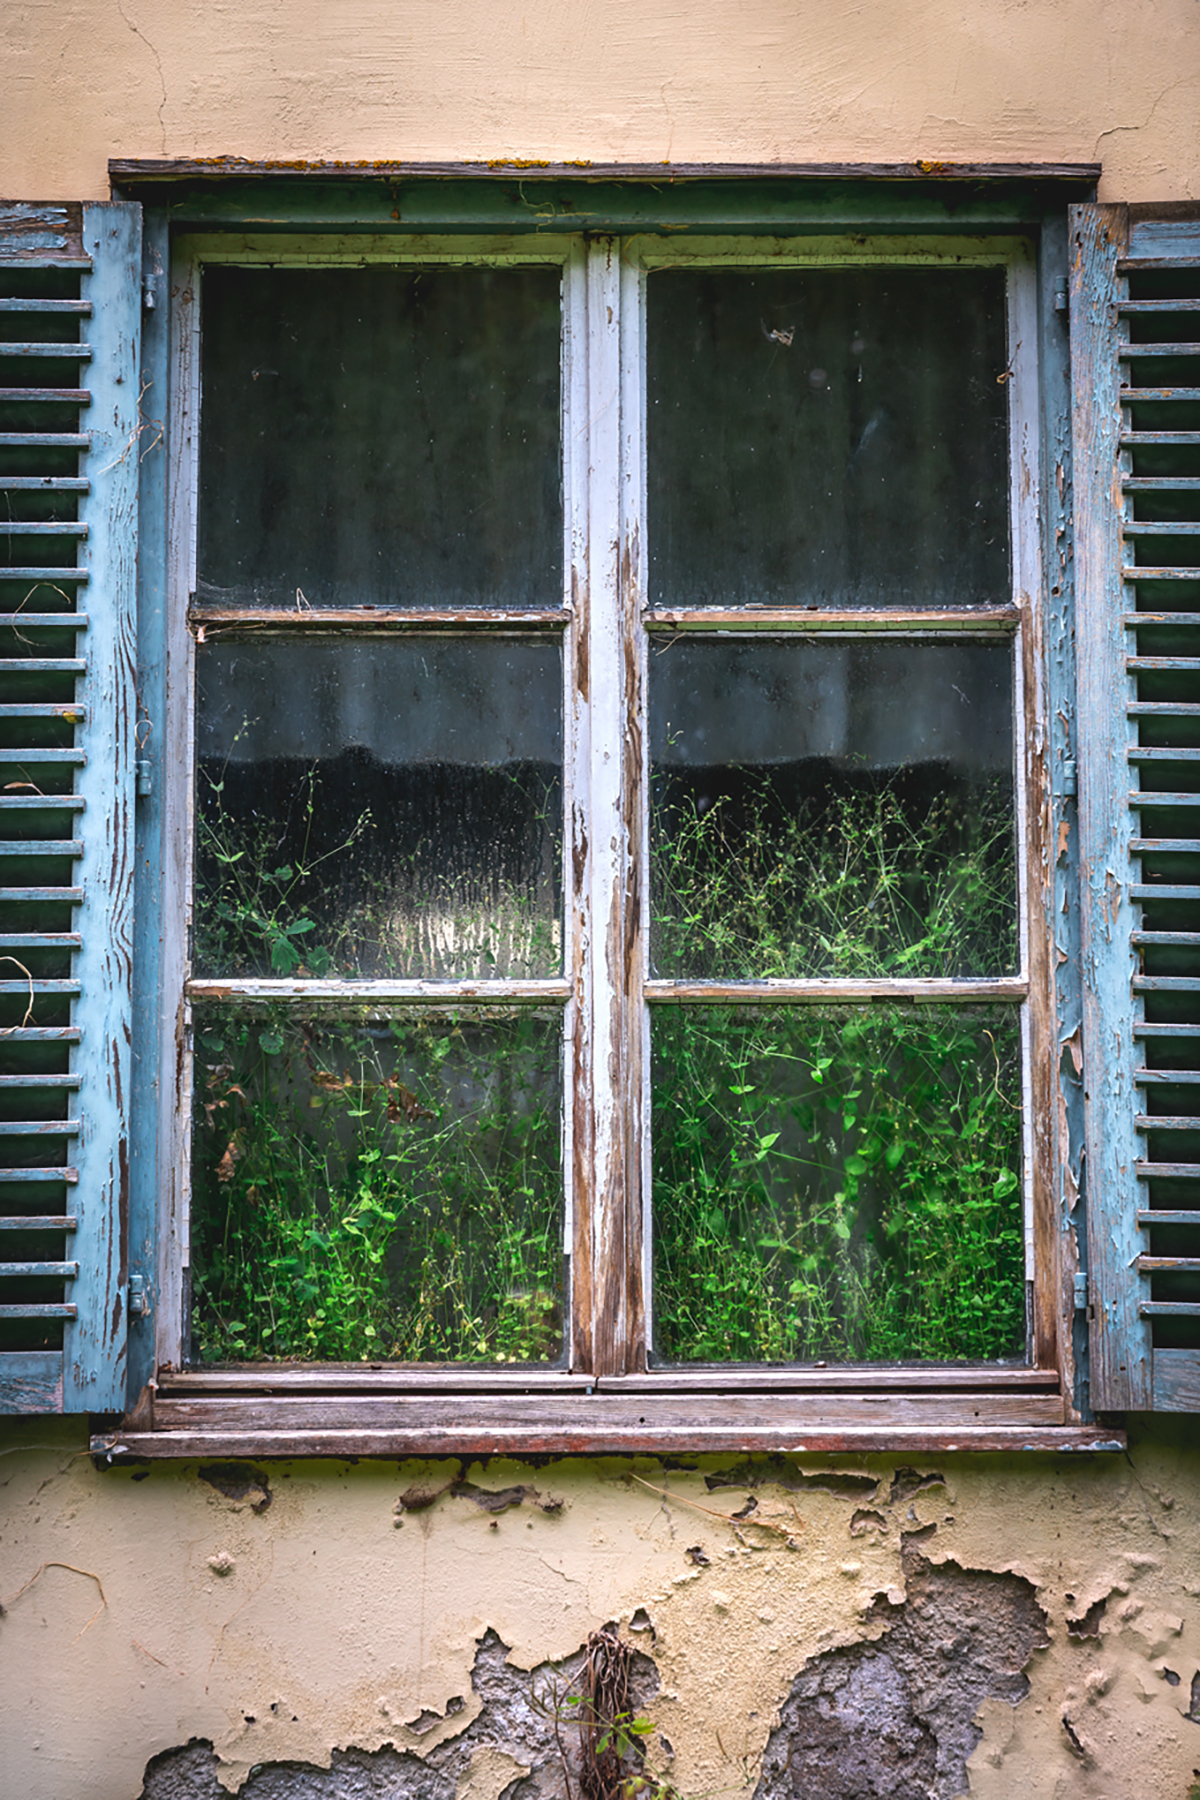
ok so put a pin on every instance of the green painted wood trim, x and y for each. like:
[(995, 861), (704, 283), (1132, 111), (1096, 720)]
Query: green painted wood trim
[(517, 200)]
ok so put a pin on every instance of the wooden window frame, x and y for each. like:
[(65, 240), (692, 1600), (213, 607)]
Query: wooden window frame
[(606, 1399)]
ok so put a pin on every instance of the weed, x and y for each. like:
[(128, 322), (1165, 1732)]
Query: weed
[(294, 876), (836, 1184), (858, 878), (368, 1189)]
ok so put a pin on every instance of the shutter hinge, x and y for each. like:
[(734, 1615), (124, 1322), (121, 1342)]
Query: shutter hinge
[(1061, 302), (1070, 780), (1081, 1291), (145, 779), (139, 1299)]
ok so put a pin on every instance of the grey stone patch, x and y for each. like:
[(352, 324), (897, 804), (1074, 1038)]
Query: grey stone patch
[(516, 1716), (781, 1473), (894, 1719)]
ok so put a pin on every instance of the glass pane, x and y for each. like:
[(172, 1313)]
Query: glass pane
[(831, 809), (377, 1189), (380, 437), (837, 1185), (390, 808), (827, 437)]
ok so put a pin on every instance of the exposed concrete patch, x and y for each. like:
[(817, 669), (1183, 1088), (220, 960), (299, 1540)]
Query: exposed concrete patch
[(239, 1482), (895, 1717), (513, 1739), (778, 1471)]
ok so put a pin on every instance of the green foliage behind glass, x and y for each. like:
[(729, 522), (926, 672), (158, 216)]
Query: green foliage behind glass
[(854, 878), (837, 1185), (375, 1190)]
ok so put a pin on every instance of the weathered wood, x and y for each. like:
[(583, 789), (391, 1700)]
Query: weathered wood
[(780, 991), (254, 990), (623, 1415), (215, 621), (1176, 1382), (658, 1435), (124, 170), (42, 234), (414, 1379), (94, 1342), (31, 1381), (983, 621), (1120, 1337)]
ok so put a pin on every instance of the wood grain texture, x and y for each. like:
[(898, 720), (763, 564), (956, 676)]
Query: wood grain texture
[(1176, 1380), (31, 1381), (94, 1343), (1120, 1337)]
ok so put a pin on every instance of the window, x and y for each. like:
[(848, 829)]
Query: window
[(611, 825), (761, 649)]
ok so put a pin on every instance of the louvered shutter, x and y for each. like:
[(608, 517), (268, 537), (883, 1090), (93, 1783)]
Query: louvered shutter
[(1135, 354), (69, 422)]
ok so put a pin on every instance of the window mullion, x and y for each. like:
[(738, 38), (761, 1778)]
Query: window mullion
[(605, 1127)]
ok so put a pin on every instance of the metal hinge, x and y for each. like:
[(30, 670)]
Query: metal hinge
[(145, 777), (1061, 302), (139, 1299), (1081, 1291), (1069, 785)]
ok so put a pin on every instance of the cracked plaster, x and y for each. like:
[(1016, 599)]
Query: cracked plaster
[(623, 80), (330, 1621)]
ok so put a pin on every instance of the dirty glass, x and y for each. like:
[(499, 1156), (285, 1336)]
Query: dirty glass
[(831, 809), (378, 808), (377, 1188), (827, 437), (380, 437), (837, 1184)]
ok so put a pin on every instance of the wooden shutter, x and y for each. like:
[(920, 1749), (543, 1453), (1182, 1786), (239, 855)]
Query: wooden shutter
[(69, 424), (1135, 353)]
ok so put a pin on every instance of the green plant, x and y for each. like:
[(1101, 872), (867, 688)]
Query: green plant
[(866, 877), (836, 1184), (287, 884), (368, 1189), (253, 908)]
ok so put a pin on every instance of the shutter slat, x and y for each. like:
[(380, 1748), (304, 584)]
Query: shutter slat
[(1135, 959), (59, 1354)]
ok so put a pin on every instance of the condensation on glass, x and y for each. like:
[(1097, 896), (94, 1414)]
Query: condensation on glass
[(827, 437), (379, 808), (371, 1188), (380, 437), (838, 808), (837, 1184)]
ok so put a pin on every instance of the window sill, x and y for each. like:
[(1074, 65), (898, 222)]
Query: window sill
[(202, 1416)]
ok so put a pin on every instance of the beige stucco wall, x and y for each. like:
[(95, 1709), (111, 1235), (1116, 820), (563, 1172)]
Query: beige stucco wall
[(1116, 81), (334, 1626)]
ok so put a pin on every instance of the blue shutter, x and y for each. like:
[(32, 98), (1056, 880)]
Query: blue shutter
[(1135, 350), (69, 424)]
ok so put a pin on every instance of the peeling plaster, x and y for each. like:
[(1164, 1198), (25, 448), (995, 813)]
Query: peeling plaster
[(332, 1633)]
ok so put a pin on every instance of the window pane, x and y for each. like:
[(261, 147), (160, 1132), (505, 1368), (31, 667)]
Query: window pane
[(831, 809), (390, 808), (827, 437), (377, 1188), (380, 437), (837, 1184)]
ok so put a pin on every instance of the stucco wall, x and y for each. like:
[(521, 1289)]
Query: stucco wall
[(636, 80), (144, 1610), (295, 1614)]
